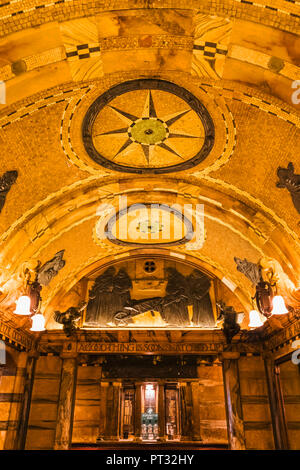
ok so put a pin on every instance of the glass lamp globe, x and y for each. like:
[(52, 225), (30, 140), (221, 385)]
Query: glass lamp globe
[(38, 322), (255, 320), (279, 307), (23, 305)]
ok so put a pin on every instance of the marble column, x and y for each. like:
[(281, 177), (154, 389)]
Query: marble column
[(112, 412), (276, 406), (64, 424), (187, 419), (234, 413), (26, 401), (196, 435), (138, 412), (103, 416), (161, 412), (109, 411)]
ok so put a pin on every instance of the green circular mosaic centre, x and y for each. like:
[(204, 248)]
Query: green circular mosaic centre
[(148, 131)]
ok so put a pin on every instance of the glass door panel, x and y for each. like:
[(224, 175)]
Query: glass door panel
[(172, 413), (128, 399), (149, 412)]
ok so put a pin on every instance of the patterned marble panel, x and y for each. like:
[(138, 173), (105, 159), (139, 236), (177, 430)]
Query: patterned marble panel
[(80, 38), (213, 428), (44, 403), (11, 395), (290, 383), (87, 405), (211, 39), (255, 404)]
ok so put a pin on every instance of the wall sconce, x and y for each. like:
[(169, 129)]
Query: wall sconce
[(267, 303), (264, 298), (29, 303)]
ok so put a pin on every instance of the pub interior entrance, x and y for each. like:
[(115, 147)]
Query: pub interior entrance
[(147, 398)]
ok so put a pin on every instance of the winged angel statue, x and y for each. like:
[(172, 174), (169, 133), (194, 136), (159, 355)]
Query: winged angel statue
[(69, 318)]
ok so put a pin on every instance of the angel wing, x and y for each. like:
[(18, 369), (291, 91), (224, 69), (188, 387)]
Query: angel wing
[(51, 268), (250, 270)]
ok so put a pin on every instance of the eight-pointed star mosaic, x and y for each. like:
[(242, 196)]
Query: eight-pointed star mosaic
[(148, 129)]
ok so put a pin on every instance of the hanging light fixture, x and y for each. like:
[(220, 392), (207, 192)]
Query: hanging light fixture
[(28, 303), (23, 305), (264, 298), (38, 322), (255, 319), (279, 307)]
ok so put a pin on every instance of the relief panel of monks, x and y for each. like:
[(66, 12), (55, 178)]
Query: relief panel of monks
[(173, 297)]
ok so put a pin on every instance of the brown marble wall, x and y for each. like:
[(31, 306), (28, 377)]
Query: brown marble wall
[(11, 396), (212, 422), (255, 403), (44, 404), (95, 406), (290, 386), (87, 405)]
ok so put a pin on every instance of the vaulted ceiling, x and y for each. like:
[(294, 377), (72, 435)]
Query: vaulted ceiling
[(83, 79)]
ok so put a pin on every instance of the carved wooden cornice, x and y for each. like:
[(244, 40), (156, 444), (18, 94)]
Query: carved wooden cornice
[(16, 336)]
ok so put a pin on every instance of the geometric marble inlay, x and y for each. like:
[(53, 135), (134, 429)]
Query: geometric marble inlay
[(147, 126)]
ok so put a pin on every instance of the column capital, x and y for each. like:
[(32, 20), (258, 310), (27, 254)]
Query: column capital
[(70, 355), (229, 355), (65, 410), (34, 353), (267, 356)]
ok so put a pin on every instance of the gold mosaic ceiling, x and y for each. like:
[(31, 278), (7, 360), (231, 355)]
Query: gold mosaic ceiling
[(238, 60)]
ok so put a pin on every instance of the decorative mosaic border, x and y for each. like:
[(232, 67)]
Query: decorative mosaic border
[(34, 106), (112, 5)]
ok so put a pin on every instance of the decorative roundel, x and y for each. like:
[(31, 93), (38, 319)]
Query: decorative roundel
[(148, 225), (147, 126), (149, 266)]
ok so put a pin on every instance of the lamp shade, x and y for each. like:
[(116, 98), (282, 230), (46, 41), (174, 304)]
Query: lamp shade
[(38, 322), (23, 305), (279, 307), (255, 320)]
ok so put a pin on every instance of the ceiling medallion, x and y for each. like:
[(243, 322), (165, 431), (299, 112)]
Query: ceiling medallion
[(149, 225), (147, 126)]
